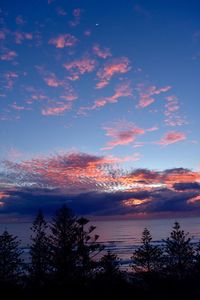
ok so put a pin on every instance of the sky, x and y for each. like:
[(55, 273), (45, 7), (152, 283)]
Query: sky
[(100, 107)]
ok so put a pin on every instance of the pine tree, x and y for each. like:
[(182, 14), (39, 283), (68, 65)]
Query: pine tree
[(63, 243), (87, 247), (179, 252), (147, 257), (10, 258), (39, 250)]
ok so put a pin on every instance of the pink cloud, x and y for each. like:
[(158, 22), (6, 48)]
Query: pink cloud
[(101, 52), (11, 74), (64, 40), (122, 134), (171, 109), (10, 55), (70, 93), (21, 36), (80, 66), (146, 94), (172, 105), (111, 68), (52, 81), (122, 90), (175, 121), (101, 84), (55, 111), (69, 97), (171, 138)]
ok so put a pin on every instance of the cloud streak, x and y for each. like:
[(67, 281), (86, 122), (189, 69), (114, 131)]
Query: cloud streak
[(56, 110), (171, 138)]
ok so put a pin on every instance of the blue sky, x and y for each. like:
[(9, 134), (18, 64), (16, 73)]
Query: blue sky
[(111, 79)]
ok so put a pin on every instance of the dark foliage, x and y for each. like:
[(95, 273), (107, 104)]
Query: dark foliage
[(148, 257), (179, 253), (39, 251), (10, 258), (67, 262)]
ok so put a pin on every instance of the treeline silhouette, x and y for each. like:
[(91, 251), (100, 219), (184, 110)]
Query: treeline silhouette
[(67, 262)]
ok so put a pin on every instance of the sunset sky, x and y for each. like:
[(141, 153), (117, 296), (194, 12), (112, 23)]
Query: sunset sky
[(100, 107)]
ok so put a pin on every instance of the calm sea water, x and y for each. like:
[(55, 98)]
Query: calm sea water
[(121, 236)]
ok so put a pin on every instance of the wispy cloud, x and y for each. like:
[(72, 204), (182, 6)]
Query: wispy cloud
[(17, 107), (171, 138), (122, 134), (10, 79), (172, 117), (122, 90), (9, 55), (146, 95), (21, 36), (57, 110), (52, 81)]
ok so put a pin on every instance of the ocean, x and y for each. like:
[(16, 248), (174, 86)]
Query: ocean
[(122, 236)]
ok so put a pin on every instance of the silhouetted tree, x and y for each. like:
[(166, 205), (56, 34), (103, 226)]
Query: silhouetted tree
[(87, 247), (10, 258), (110, 264), (147, 257), (179, 252), (39, 250), (197, 259), (63, 243)]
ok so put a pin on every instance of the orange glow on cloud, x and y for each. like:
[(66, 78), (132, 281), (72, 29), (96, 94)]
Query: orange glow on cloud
[(134, 202), (3, 195), (194, 199)]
